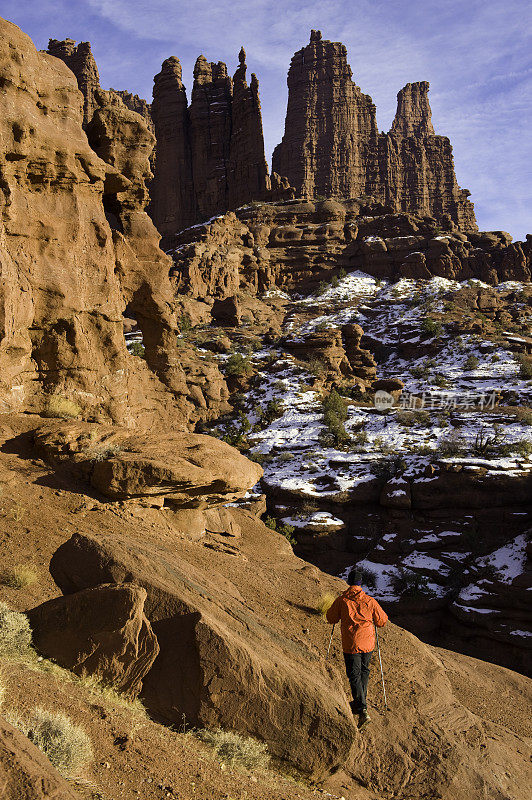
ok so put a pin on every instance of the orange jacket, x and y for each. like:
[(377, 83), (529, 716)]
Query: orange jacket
[(358, 613)]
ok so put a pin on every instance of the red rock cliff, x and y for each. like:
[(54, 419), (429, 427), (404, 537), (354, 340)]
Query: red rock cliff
[(331, 145)]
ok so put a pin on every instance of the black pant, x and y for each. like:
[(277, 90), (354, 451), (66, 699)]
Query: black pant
[(357, 668)]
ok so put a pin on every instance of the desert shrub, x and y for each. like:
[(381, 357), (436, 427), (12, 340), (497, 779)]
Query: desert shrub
[(62, 407), (494, 444), (382, 446), (283, 528), (334, 416), (286, 456), (235, 437), (405, 418), (388, 468), (236, 750), (324, 603), (525, 365), (432, 327), (523, 448), (137, 349), (65, 744), (18, 577), (359, 438), (238, 366), (407, 583), (451, 445), (321, 326), (341, 273), (184, 323), (316, 367), (369, 578), (495, 357), (15, 633), (471, 362), (104, 451), (440, 380), (274, 409)]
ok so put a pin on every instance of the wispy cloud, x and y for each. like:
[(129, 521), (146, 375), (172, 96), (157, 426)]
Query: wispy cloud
[(476, 55)]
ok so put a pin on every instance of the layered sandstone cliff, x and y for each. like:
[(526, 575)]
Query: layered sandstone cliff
[(331, 145), (210, 155), (298, 244), (77, 251)]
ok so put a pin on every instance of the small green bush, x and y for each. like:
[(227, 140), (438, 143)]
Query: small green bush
[(184, 323), (432, 327), (19, 577), (15, 633), (471, 362), (104, 451), (407, 583), (274, 409), (65, 744), (236, 750), (316, 367), (281, 527), (238, 366), (525, 365), (137, 349), (286, 456), (451, 445)]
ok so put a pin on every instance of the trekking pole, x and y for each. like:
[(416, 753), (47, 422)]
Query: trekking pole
[(380, 662), (330, 641)]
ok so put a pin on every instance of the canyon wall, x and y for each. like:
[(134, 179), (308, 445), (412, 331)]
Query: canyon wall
[(78, 251), (332, 147)]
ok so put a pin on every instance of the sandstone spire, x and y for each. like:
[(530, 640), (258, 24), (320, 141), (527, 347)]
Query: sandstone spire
[(80, 60), (210, 135), (330, 130), (173, 204), (247, 171), (413, 117), (331, 145)]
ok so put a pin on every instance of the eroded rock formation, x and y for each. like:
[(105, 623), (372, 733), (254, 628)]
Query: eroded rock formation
[(332, 147), (210, 155), (78, 250), (302, 243), (221, 662), (79, 58), (101, 632)]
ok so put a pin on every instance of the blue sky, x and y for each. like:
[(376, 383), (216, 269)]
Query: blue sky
[(477, 55)]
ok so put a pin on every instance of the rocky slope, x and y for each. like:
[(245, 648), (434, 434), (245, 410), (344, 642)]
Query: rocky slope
[(332, 147), (242, 605)]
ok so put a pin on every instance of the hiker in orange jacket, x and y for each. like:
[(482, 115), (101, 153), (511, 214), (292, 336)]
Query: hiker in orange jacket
[(358, 613)]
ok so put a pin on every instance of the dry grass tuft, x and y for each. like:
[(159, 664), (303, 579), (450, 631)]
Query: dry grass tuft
[(15, 633), (66, 745), (236, 750), (324, 603), (62, 407), (110, 696), (19, 577)]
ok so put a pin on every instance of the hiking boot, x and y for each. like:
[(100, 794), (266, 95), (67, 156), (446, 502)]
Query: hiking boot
[(363, 719)]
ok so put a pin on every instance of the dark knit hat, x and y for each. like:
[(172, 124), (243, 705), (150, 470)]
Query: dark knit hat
[(355, 577)]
